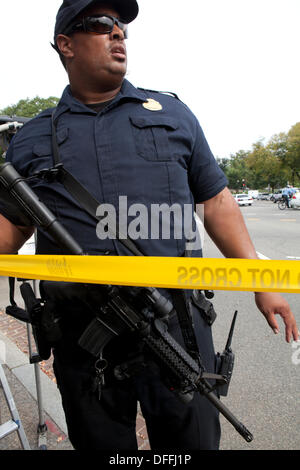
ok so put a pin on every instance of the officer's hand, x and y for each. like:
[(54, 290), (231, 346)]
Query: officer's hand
[(270, 304)]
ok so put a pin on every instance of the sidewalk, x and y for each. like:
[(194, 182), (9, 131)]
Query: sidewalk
[(21, 378)]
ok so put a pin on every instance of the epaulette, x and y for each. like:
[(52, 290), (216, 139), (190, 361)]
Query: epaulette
[(170, 93), (46, 112)]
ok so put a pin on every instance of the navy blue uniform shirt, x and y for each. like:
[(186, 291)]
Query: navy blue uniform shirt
[(149, 155)]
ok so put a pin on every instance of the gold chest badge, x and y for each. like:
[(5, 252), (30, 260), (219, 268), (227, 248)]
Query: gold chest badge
[(152, 105)]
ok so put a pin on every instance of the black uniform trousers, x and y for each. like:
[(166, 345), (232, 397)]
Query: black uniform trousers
[(109, 423)]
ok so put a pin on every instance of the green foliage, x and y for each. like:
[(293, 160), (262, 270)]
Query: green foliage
[(223, 163), (292, 156), (267, 165), (30, 107), (237, 171), (27, 108)]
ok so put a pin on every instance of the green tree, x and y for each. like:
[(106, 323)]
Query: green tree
[(272, 164), (27, 108), (223, 163), (292, 157), (278, 145), (237, 172), (30, 107), (266, 167)]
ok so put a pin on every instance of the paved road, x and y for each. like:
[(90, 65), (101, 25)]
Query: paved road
[(264, 393)]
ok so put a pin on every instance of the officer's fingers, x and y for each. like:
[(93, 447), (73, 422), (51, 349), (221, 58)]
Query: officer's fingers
[(291, 329), (296, 333), (271, 304), (272, 322)]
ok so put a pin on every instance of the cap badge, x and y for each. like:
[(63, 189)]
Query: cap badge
[(152, 105)]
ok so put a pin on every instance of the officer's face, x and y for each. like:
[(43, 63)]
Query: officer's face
[(98, 58)]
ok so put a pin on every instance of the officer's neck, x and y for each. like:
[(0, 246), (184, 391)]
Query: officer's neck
[(96, 86), (94, 96), (95, 89)]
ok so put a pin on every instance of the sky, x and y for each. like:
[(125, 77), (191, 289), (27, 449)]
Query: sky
[(235, 63)]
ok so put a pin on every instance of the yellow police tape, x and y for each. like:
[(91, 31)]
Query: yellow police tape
[(188, 273)]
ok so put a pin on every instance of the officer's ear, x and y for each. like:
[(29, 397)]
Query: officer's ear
[(64, 44)]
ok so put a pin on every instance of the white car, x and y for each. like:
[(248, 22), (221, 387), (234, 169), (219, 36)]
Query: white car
[(264, 196), (295, 200), (277, 195), (243, 199)]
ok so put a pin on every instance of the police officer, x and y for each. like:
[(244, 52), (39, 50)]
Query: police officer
[(118, 140), (286, 196)]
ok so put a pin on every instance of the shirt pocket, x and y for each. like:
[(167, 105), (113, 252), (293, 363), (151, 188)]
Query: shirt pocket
[(43, 147), (152, 137)]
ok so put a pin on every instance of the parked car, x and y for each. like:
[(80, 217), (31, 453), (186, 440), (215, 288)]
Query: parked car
[(243, 199), (277, 195), (253, 192), (295, 200), (264, 196)]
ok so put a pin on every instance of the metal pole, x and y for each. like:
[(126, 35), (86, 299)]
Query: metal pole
[(34, 357)]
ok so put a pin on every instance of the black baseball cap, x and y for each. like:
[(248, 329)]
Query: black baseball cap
[(127, 9)]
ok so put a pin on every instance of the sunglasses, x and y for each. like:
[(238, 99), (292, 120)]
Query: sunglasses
[(99, 24)]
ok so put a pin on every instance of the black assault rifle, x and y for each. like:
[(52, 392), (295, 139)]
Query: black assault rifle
[(143, 311)]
